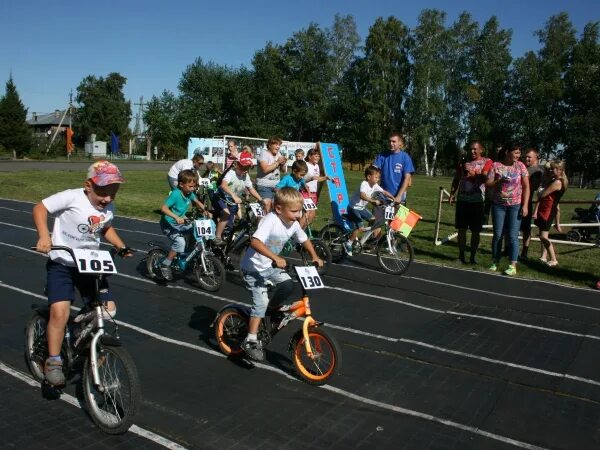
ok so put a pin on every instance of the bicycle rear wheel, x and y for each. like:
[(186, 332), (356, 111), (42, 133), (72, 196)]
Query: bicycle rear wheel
[(333, 235), (36, 345), (231, 328), (113, 408), (326, 359), (395, 256), (153, 260), (212, 278), (323, 252)]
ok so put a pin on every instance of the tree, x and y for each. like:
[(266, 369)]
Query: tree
[(102, 107), (427, 110), (15, 134), (162, 119), (582, 131)]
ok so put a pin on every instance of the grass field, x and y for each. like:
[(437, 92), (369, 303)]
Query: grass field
[(143, 193)]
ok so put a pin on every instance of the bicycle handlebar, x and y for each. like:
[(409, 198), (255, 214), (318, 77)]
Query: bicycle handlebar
[(113, 251)]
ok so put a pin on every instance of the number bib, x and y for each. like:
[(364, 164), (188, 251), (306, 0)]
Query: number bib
[(389, 212), (204, 182), (309, 277), (204, 227), (309, 205), (256, 209), (94, 261)]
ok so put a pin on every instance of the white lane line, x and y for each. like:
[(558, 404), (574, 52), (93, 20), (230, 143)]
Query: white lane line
[(342, 392), (75, 402), (336, 327), (388, 299)]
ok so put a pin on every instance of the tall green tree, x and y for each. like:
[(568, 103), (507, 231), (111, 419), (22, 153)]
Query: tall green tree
[(103, 107), (582, 96), (427, 107), (15, 134), (557, 39), (162, 120), (383, 81)]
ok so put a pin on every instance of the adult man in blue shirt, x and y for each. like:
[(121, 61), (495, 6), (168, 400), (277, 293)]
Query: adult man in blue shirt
[(396, 168)]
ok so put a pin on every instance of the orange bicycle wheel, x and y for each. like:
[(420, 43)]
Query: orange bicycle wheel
[(230, 330), (326, 359)]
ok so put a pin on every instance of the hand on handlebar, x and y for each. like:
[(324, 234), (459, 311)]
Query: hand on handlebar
[(318, 262), (125, 252), (180, 220), (43, 245), (279, 262)]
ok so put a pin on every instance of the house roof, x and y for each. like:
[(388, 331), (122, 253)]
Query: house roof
[(49, 119)]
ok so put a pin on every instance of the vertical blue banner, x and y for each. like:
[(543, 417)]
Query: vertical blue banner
[(338, 194)]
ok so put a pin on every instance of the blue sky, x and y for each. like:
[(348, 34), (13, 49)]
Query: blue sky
[(49, 47)]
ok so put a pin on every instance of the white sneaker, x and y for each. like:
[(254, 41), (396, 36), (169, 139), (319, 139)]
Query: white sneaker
[(348, 248)]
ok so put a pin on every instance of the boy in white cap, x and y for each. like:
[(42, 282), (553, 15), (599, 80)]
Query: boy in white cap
[(82, 217)]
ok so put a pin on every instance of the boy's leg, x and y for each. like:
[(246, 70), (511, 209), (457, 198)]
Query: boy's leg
[(260, 300)]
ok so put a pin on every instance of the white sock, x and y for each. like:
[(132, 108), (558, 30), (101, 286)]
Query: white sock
[(252, 337)]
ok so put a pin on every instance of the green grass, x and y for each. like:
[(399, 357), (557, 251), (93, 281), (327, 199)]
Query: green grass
[(143, 193)]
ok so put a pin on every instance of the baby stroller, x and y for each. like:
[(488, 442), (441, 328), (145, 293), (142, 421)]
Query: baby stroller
[(586, 215)]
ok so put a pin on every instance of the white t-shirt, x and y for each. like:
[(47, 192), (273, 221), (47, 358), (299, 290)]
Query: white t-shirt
[(182, 164), (313, 171), (267, 179), (274, 233), (237, 185), (358, 203), (77, 223)]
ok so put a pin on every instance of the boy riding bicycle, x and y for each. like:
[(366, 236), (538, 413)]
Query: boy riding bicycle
[(82, 216), (273, 231), (357, 212), (172, 222)]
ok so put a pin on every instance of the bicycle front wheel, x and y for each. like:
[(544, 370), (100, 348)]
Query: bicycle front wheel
[(113, 408), (325, 361), (394, 253), (334, 236), (212, 278), (323, 252)]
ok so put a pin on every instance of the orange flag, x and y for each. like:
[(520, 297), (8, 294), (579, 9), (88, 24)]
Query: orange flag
[(70, 146)]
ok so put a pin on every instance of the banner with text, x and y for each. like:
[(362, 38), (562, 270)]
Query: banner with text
[(338, 193)]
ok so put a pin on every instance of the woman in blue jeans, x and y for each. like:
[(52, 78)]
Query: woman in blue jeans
[(509, 184)]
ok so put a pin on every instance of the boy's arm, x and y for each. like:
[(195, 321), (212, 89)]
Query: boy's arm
[(199, 204), (225, 187), (366, 198), (255, 194), (110, 234), (167, 212), (261, 248), (40, 219), (311, 251)]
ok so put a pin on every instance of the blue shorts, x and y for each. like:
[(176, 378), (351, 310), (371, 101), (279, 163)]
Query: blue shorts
[(256, 283), (61, 282), (357, 216), (266, 192), (177, 234), (221, 205)]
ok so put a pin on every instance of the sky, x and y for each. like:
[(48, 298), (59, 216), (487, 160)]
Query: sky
[(50, 47)]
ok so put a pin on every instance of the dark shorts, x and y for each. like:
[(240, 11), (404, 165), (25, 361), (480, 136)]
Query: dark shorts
[(526, 221), (469, 216), (357, 216), (61, 282), (545, 225), (221, 205)]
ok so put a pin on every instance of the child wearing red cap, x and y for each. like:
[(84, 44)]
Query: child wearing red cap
[(82, 217)]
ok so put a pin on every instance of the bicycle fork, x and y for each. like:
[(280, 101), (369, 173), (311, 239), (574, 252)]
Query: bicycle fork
[(94, 348)]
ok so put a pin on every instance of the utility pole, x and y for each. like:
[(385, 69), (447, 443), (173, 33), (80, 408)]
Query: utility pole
[(139, 129)]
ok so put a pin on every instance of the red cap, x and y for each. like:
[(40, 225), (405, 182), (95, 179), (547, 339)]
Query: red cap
[(245, 159)]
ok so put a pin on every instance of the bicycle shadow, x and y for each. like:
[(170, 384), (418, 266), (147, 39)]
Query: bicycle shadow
[(201, 320)]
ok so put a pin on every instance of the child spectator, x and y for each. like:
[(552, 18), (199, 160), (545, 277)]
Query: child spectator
[(82, 216), (299, 154), (270, 165), (357, 213), (235, 183), (213, 173), (172, 221), (274, 230), (313, 177), (547, 207)]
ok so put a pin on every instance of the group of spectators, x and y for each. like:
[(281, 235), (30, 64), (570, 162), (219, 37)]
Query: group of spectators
[(507, 188)]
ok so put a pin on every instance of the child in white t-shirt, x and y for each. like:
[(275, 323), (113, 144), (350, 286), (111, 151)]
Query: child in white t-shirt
[(82, 217), (357, 212), (274, 230)]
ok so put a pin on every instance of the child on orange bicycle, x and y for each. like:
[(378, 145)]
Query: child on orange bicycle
[(357, 212), (273, 231)]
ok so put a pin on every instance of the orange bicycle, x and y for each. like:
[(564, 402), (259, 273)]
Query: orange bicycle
[(315, 352)]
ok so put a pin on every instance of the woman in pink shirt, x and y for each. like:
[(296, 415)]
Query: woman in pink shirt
[(508, 180)]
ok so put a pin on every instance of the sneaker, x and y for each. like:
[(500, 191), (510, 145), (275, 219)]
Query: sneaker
[(493, 267), (253, 349), (348, 248), (218, 242), (166, 272), (53, 370), (510, 271)]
